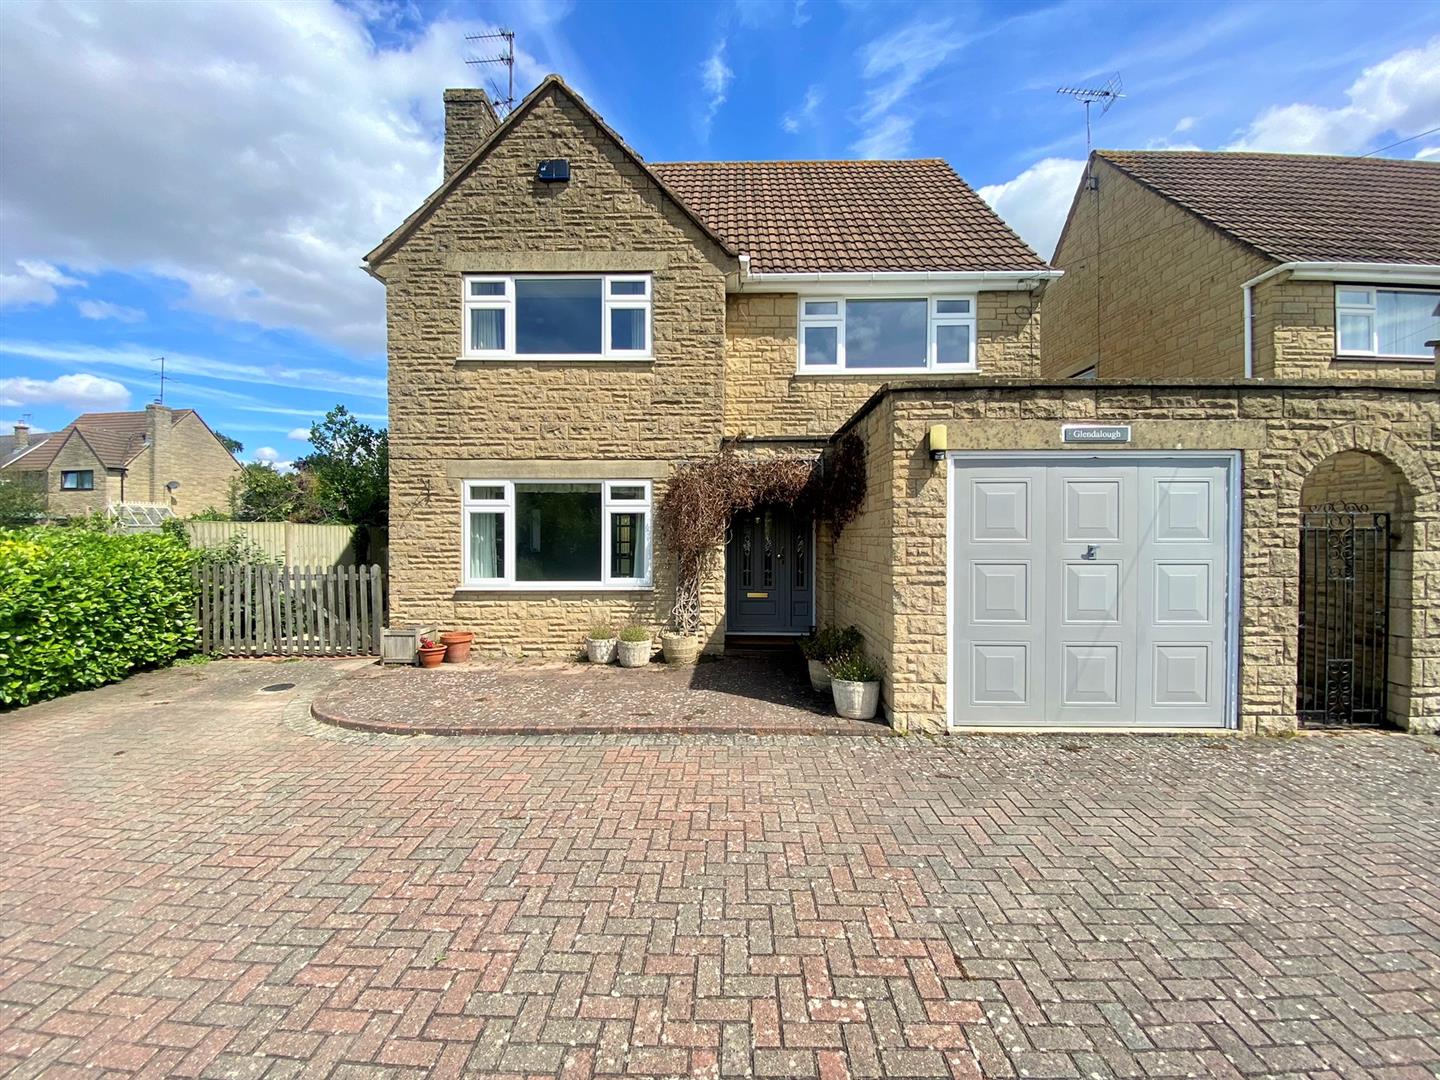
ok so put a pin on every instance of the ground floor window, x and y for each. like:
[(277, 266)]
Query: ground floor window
[(1386, 322), (545, 534), (77, 480)]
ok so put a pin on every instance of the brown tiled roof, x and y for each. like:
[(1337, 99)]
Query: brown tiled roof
[(116, 437), (1303, 207), (848, 216)]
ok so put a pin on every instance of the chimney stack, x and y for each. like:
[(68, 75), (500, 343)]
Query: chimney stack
[(157, 434), (469, 118), (22, 434)]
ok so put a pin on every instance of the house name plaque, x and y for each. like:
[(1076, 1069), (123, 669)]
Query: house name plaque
[(1104, 434)]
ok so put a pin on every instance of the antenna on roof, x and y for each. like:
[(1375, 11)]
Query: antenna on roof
[(161, 399), (507, 58), (1110, 93)]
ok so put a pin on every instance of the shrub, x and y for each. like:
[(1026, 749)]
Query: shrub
[(856, 667), (601, 632), (828, 642), (635, 633), (81, 608)]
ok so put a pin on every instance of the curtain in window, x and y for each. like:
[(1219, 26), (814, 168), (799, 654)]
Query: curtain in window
[(487, 545), (487, 329), (1406, 320)]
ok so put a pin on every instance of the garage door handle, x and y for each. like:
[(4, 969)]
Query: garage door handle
[(1091, 551)]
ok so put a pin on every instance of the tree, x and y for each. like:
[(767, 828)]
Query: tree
[(233, 445), (263, 493), (351, 468), (22, 502)]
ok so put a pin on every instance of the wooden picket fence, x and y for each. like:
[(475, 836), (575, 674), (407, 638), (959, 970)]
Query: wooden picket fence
[(253, 609)]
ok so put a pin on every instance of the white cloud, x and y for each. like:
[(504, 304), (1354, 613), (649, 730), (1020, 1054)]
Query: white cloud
[(1185, 123), (255, 161), (1399, 95), (267, 454), (892, 66), (36, 282), (299, 434), (7, 427), (1430, 153), (275, 410), (715, 76), (77, 391), (182, 364), (103, 309), (1035, 203), (796, 119), (798, 15)]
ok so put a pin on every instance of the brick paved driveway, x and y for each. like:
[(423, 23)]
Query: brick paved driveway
[(195, 879)]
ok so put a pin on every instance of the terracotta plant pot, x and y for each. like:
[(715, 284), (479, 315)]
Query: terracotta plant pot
[(680, 648), (856, 700), (600, 650), (819, 676), (457, 645), (634, 653), (434, 656)]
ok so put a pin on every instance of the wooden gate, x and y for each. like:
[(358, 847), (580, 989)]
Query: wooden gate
[(253, 609)]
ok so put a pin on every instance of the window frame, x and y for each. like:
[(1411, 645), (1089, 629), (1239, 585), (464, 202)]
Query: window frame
[(508, 303), (609, 506), (934, 320), (1371, 310), (77, 473)]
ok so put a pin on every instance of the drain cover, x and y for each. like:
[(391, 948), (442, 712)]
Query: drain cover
[(275, 687)]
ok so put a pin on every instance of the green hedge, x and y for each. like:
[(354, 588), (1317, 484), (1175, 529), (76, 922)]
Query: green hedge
[(81, 608)]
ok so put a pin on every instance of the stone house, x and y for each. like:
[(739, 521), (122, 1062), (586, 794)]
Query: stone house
[(568, 323), (160, 457)]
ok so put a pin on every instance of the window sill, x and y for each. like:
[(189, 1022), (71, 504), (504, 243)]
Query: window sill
[(543, 589), (1385, 358), (551, 359), (862, 373)]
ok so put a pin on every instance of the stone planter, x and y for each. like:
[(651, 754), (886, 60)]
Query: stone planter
[(634, 653), (680, 648), (856, 700), (819, 676), (600, 650), (457, 645)]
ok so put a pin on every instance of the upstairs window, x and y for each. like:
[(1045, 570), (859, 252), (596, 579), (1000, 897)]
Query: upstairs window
[(557, 317), (77, 480), (886, 335), (1386, 322)]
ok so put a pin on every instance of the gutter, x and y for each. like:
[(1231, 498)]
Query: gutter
[(1015, 279), (1400, 273)]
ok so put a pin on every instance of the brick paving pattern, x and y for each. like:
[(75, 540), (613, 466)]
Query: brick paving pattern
[(760, 694), (198, 880)]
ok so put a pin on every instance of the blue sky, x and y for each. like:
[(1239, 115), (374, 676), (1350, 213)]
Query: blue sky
[(200, 181)]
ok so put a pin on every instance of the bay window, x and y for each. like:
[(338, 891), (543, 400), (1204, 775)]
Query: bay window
[(867, 335), (556, 534), (556, 316), (1386, 322)]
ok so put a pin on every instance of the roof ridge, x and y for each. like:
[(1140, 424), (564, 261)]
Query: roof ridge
[(1273, 154), (805, 161)]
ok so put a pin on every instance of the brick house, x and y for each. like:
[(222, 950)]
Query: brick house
[(567, 323), (167, 458)]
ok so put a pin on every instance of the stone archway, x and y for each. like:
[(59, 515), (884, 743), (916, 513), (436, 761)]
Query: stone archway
[(1367, 468)]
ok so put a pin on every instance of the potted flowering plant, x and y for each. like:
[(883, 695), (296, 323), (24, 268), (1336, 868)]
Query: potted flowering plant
[(431, 652), (600, 643), (457, 645), (855, 684), (824, 644), (635, 646)]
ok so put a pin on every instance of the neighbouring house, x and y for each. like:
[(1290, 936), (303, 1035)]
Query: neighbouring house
[(159, 459), (569, 323), (1182, 264)]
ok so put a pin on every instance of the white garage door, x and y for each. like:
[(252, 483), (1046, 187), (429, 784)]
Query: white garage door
[(1090, 591)]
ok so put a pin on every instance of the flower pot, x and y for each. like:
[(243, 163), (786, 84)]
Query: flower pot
[(856, 700), (680, 648), (819, 676), (634, 653), (431, 657), (457, 645), (600, 650)]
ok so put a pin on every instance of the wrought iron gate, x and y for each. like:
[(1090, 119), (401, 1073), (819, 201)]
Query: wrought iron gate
[(1344, 615)]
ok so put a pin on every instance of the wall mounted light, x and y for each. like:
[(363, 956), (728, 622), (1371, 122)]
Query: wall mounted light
[(937, 440)]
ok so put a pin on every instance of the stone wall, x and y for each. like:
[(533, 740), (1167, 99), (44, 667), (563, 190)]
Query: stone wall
[(610, 420), (1283, 433), (764, 395), (1165, 285), (187, 453), (76, 454)]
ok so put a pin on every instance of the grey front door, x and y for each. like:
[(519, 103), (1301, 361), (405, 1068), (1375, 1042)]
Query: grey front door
[(769, 573)]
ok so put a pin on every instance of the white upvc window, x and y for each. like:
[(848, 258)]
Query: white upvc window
[(556, 317), (886, 335), (555, 535), (1386, 322)]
